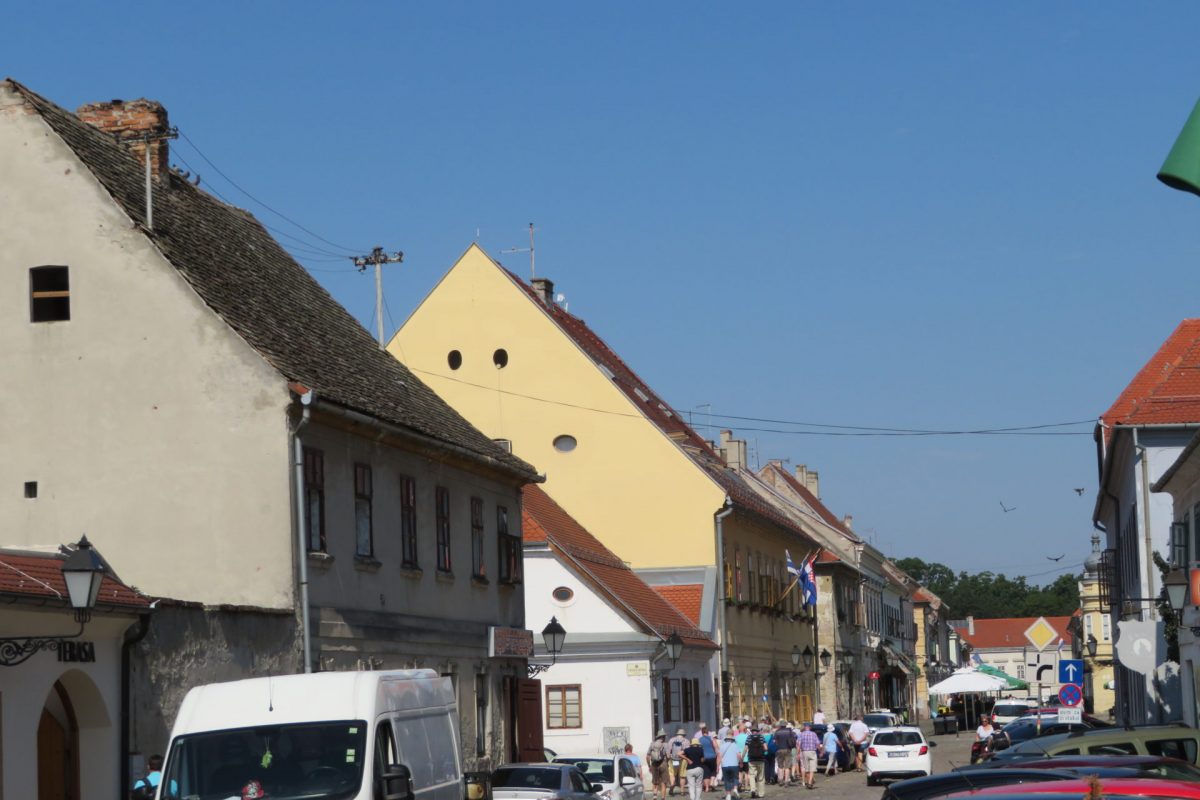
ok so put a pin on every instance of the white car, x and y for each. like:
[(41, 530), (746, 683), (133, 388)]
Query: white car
[(899, 752), (1008, 709), (616, 775)]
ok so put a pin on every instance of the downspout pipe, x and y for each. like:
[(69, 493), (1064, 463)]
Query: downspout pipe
[(723, 631), (306, 400), (1147, 538), (132, 637)]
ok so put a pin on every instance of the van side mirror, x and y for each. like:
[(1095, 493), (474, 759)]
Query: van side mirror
[(396, 783), (476, 785), (931, 743), (629, 780)]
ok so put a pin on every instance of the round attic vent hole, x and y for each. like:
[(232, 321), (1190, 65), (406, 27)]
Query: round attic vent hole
[(500, 358), (563, 594), (565, 443), (454, 359)]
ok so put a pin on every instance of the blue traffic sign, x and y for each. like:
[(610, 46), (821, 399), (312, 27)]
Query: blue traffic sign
[(1070, 695), (1070, 670)]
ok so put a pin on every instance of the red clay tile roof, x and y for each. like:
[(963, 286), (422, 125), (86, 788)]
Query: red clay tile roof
[(608, 573), (826, 557), (686, 597), (658, 412), (40, 575), (1009, 632), (814, 502), (1167, 389)]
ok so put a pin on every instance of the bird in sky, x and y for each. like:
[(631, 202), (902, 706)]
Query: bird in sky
[(1079, 490), (1055, 558), (1006, 508)]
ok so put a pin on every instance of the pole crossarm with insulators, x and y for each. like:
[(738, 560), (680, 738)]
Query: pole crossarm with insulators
[(378, 257)]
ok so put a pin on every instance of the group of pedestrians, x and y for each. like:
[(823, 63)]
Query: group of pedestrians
[(743, 755)]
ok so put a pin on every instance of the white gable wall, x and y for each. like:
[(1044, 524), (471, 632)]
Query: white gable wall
[(147, 422)]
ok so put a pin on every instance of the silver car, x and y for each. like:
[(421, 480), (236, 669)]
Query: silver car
[(616, 775), (542, 782)]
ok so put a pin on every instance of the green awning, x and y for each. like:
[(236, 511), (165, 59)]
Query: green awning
[(1012, 683)]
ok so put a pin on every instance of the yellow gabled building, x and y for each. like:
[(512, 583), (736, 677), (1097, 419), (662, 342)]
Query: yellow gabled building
[(616, 457)]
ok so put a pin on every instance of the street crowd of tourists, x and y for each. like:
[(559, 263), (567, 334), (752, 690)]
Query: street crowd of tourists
[(746, 755)]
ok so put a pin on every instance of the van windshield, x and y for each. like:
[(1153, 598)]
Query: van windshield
[(308, 760), (1009, 710)]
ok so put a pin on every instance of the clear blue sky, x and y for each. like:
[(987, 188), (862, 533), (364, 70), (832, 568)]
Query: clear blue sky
[(912, 215)]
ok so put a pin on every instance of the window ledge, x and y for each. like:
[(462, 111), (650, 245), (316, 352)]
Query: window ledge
[(367, 563), (411, 572), (319, 558), (479, 580), (445, 577)]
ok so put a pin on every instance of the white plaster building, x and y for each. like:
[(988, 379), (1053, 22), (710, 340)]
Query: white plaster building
[(1137, 440), (614, 683), (60, 703)]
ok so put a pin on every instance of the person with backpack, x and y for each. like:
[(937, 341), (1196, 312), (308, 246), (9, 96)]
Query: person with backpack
[(785, 747), (656, 759), (675, 748), (144, 788), (756, 757)]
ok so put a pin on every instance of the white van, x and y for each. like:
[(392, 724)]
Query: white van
[(326, 736)]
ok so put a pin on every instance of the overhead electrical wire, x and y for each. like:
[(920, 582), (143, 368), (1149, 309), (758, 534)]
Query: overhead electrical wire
[(842, 430), (346, 251)]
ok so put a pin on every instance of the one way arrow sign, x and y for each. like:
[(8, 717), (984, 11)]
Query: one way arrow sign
[(1070, 670)]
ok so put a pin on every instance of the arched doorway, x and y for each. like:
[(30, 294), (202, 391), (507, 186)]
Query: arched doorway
[(58, 748)]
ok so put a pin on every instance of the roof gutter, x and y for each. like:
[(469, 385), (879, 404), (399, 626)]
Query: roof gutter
[(360, 418)]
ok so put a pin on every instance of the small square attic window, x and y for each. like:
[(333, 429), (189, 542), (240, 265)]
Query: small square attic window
[(49, 294)]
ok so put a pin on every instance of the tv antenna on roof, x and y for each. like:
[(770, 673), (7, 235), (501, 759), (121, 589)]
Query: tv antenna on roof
[(532, 271)]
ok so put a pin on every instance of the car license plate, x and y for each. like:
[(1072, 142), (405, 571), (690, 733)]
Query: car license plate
[(898, 754)]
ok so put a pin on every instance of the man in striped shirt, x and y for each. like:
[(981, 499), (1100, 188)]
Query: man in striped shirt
[(808, 744)]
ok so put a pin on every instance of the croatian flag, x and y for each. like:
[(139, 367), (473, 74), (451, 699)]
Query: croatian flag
[(791, 566), (808, 582)]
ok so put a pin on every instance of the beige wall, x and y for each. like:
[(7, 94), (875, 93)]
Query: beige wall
[(147, 423), (621, 463), (346, 582)]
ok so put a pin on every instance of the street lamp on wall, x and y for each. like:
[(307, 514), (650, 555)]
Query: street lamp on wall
[(553, 635), (1092, 644), (83, 572), (826, 657)]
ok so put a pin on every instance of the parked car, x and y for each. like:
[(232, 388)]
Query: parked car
[(1173, 741), (845, 751), (881, 719), (541, 781), (948, 782), (1104, 766), (1052, 713), (897, 752), (616, 775), (1074, 790), (1008, 709), (1026, 728)]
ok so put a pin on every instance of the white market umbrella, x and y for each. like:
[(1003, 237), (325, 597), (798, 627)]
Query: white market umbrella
[(966, 680)]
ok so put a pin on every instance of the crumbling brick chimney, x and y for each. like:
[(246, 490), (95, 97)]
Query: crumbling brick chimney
[(132, 121), (544, 288)]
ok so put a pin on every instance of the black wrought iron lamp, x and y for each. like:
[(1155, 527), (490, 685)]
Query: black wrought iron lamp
[(83, 571), (553, 635)]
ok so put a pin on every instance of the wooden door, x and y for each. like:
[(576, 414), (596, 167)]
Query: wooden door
[(52, 758), (529, 720)]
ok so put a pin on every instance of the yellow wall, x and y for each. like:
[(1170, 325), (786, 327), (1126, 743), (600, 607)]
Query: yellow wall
[(1103, 700), (626, 481)]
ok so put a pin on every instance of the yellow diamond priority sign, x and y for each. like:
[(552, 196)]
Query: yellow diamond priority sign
[(1041, 634)]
